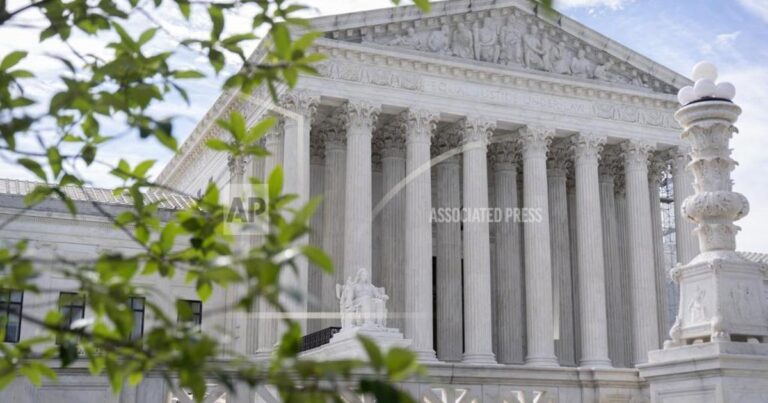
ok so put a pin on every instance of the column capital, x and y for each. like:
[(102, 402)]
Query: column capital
[(316, 147), (391, 141), (237, 166), (333, 132), (680, 156), (535, 140), (657, 166), (559, 158), (275, 133), (611, 163), (418, 125), (505, 155), (360, 117), (447, 140), (636, 153), (476, 130), (587, 147), (301, 102)]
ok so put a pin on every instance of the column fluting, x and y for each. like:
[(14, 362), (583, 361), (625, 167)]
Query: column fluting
[(537, 251), (360, 118), (594, 338), (450, 332), (418, 127), (508, 273), (478, 328), (640, 248)]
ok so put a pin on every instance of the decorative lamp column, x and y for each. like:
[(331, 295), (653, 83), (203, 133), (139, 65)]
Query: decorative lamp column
[(718, 350), (722, 295), (537, 251), (360, 118), (418, 125), (478, 328)]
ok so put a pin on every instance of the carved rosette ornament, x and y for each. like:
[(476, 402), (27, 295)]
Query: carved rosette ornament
[(418, 125), (535, 141), (721, 293)]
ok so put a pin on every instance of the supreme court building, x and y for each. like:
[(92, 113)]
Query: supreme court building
[(513, 179)]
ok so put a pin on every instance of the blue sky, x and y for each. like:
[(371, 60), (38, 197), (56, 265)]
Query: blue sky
[(731, 33)]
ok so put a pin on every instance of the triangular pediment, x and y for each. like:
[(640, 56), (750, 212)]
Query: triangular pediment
[(508, 33)]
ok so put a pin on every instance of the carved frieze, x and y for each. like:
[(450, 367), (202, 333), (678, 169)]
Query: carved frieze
[(509, 37)]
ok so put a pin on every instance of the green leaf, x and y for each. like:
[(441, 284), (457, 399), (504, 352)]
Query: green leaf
[(217, 18), (12, 59), (373, 351), (318, 258), (182, 74), (275, 183), (147, 36), (400, 363), (141, 169), (218, 145), (282, 40), (204, 290), (34, 167), (54, 160)]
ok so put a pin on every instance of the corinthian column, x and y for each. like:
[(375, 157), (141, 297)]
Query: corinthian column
[(316, 274), (360, 118), (333, 215), (622, 221), (418, 125), (538, 263), (393, 222), (478, 340), (656, 169), (594, 338), (609, 165), (266, 328), (682, 184), (645, 326), (508, 276), (450, 332), (557, 168), (301, 107)]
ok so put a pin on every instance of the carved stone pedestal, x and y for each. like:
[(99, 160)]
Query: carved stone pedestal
[(715, 372), (345, 345)]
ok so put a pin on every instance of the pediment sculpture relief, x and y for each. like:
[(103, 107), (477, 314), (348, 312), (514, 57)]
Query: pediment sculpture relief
[(516, 40)]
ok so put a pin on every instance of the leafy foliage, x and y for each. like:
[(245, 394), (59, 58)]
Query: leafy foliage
[(53, 136)]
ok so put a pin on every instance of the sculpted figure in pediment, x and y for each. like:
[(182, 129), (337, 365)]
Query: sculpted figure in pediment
[(486, 37), (511, 42), (462, 42), (581, 66), (603, 72), (411, 39), (533, 54), (563, 64), (440, 41)]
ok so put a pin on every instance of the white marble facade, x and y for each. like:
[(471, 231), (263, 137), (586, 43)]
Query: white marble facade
[(497, 107)]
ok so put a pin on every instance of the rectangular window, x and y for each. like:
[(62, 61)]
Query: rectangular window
[(10, 314), (72, 308), (137, 307), (196, 310)]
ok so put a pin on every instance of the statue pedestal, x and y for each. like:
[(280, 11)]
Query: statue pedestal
[(713, 372), (345, 345)]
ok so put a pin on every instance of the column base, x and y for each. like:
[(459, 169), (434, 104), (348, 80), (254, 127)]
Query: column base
[(596, 363), (426, 356), (550, 361), (263, 354), (479, 359)]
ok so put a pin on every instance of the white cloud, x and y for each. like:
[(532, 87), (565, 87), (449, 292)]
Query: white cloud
[(727, 39), (756, 7), (611, 4)]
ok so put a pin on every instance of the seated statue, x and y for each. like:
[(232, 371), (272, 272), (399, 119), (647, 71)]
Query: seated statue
[(361, 303)]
